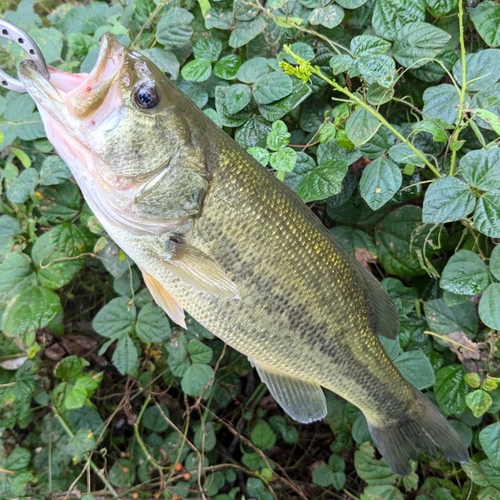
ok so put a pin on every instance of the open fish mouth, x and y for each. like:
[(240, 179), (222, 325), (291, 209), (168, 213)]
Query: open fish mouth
[(78, 94)]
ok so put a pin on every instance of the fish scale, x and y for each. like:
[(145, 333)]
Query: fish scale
[(218, 236)]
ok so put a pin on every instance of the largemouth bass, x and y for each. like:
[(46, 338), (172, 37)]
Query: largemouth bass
[(218, 236)]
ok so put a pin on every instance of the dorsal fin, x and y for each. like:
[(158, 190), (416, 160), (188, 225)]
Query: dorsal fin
[(384, 314), (165, 300)]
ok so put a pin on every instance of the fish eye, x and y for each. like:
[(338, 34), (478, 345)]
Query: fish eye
[(146, 96)]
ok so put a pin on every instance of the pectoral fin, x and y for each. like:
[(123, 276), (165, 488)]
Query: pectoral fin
[(198, 269), (166, 301), (303, 401)]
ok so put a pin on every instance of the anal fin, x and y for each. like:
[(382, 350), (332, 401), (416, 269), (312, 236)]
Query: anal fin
[(304, 401), (165, 300), (199, 270)]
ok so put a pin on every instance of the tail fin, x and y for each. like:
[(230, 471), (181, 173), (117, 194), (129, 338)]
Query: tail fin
[(422, 428)]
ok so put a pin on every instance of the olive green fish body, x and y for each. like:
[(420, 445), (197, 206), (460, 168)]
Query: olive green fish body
[(218, 236)]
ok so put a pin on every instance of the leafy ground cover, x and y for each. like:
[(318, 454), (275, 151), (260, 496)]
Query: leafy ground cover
[(384, 117)]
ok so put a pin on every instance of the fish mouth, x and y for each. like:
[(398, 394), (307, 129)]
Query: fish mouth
[(78, 94)]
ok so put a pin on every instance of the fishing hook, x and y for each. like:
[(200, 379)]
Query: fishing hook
[(16, 35)]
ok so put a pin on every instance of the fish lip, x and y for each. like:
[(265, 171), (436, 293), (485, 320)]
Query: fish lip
[(44, 90)]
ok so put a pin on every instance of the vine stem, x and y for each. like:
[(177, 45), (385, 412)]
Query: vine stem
[(96, 469), (378, 116), (463, 88)]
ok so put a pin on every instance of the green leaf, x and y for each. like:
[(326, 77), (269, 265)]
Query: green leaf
[(263, 436), (478, 401), (444, 319), (304, 164), (23, 187), (396, 242), (278, 109), (256, 490), (50, 41), (54, 254), (197, 70), (436, 127), (451, 390), (284, 159), (152, 324), (226, 118), (323, 475), (253, 132), (174, 28), (489, 437), (54, 171), (59, 203), (272, 87), (441, 102), (482, 67), (115, 319), (16, 274), (416, 368), (487, 214), (390, 16), (361, 127), (495, 262), (207, 48), (382, 492), (115, 260), (196, 378), (323, 181), (380, 180), (227, 68), (20, 120), (32, 309), (486, 20), (245, 31), (82, 442), (371, 470), (237, 97), (22, 157), (440, 8), (279, 136), (245, 10), (329, 16), (70, 368), (220, 18), (418, 42), (165, 60), (446, 200), (204, 437), (303, 50), (488, 306), (126, 357), (481, 169), (199, 352), (401, 153), (154, 420), (260, 154), (465, 274)]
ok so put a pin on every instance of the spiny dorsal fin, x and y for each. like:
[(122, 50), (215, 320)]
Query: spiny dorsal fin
[(304, 401), (198, 269), (385, 317), (165, 300)]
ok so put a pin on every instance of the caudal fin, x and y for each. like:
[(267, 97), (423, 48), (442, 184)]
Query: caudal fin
[(422, 428)]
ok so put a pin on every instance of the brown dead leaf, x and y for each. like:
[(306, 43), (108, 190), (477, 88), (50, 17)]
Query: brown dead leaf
[(364, 257), (469, 353)]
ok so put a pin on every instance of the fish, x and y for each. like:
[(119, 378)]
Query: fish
[(218, 236)]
